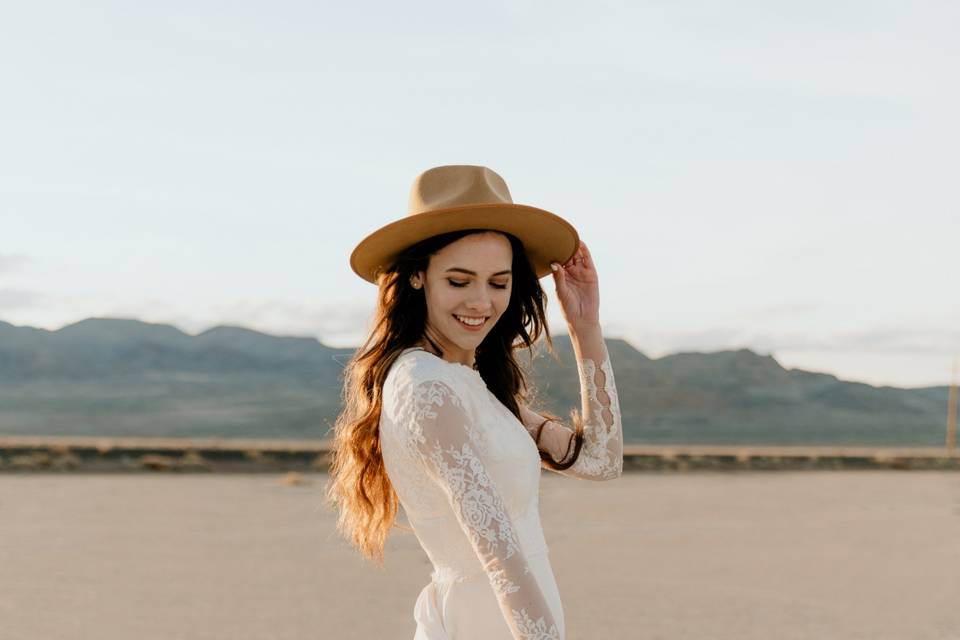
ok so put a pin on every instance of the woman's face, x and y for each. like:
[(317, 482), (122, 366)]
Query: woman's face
[(466, 281)]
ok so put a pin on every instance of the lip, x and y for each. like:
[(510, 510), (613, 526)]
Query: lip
[(466, 327)]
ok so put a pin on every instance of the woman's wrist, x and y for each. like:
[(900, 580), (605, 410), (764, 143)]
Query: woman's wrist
[(540, 430), (583, 330), (588, 342)]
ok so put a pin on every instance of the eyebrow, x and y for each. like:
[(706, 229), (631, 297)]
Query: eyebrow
[(473, 273)]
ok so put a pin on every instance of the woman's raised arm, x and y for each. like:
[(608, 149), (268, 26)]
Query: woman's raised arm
[(601, 456)]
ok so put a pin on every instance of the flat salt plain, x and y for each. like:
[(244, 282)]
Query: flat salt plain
[(745, 555)]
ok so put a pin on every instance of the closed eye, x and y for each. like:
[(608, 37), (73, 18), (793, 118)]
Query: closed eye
[(460, 285)]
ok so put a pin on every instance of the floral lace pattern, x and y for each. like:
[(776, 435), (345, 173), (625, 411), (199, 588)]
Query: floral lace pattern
[(534, 629), (601, 455), (442, 436)]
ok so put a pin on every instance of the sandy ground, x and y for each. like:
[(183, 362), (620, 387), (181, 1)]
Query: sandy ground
[(742, 555)]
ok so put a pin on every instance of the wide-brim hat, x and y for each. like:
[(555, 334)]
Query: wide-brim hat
[(456, 197)]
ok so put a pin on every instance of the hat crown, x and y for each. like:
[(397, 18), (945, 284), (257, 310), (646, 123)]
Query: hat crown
[(463, 197), (456, 186)]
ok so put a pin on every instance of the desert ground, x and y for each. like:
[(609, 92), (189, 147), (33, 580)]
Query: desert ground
[(672, 556)]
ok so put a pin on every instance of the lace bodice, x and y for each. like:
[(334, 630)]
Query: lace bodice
[(467, 474)]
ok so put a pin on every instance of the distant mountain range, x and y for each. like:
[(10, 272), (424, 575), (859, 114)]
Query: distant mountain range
[(118, 377)]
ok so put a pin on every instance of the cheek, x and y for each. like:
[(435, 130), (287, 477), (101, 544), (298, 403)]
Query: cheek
[(502, 302), (441, 302)]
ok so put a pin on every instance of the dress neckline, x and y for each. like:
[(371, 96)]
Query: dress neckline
[(459, 365)]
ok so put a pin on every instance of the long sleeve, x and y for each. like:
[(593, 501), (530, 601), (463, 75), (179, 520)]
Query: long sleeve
[(601, 456), (444, 437)]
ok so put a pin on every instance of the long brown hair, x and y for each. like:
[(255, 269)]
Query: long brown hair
[(359, 485)]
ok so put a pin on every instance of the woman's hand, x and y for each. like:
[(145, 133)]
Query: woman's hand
[(578, 290)]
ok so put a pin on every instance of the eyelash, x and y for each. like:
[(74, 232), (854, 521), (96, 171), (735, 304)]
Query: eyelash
[(460, 285)]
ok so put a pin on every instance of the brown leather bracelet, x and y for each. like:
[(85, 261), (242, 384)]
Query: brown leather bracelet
[(540, 430)]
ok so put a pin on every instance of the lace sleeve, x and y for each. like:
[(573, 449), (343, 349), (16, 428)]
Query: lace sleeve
[(444, 439), (601, 456)]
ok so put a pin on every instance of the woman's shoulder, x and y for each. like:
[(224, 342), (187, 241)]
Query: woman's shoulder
[(414, 366), (416, 373), (417, 380)]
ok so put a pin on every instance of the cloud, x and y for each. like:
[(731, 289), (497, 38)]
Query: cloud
[(18, 299), (10, 262), (334, 324), (878, 340), (781, 310)]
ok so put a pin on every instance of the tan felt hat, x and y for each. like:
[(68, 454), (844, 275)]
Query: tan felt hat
[(454, 197)]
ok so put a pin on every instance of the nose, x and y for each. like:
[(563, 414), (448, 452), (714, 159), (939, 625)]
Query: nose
[(479, 302)]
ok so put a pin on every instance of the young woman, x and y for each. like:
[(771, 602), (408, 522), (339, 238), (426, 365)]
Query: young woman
[(434, 402)]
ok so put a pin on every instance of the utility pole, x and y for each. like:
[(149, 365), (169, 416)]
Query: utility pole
[(952, 412)]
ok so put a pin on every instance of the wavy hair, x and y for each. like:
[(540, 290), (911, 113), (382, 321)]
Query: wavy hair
[(359, 485)]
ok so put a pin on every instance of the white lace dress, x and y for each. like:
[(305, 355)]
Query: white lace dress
[(467, 474)]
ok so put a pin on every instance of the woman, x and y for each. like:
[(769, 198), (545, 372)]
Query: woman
[(435, 412)]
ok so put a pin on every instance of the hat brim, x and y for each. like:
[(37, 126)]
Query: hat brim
[(546, 237)]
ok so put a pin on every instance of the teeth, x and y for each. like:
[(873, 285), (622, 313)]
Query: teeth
[(474, 322)]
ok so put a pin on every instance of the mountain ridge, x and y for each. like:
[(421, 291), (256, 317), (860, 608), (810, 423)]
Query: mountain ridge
[(123, 376)]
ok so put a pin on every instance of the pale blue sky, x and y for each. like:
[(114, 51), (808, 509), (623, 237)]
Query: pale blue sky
[(779, 176)]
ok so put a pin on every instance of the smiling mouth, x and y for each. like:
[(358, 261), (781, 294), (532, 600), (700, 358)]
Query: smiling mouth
[(471, 326)]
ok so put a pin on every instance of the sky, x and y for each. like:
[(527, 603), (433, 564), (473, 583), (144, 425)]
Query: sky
[(765, 175)]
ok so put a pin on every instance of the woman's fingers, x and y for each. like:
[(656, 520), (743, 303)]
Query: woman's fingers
[(581, 256)]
